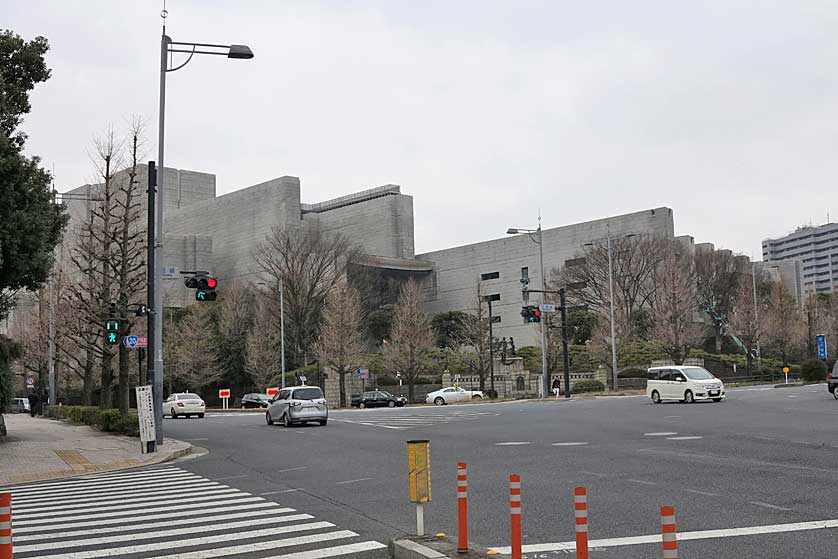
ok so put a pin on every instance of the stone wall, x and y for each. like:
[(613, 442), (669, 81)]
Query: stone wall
[(355, 386), (511, 380)]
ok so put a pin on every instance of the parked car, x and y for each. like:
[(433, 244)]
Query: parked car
[(184, 405), (686, 384), (298, 404), (452, 395), (377, 398), (255, 400), (20, 405), (832, 381)]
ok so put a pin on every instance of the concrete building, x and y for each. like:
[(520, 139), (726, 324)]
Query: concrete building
[(816, 248), (494, 267)]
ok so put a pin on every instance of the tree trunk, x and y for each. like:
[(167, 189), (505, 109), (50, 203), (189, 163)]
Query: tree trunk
[(410, 383), (124, 368), (106, 391), (87, 381), (342, 382), (718, 332)]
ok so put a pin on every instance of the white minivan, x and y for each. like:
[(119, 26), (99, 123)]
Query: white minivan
[(686, 384)]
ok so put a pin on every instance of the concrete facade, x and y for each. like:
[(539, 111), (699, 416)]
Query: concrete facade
[(457, 272), (816, 248)]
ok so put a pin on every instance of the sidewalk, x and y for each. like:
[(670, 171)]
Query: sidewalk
[(39, 448)]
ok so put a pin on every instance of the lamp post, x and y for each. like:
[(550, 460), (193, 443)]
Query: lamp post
[(516, 231), (281, 331), (155, 362)]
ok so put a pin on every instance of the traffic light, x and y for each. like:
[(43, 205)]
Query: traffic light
[(531, 313), (112, 331), (525, 284), (204, 286)]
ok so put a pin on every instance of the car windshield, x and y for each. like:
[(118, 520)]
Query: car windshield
[(698, 373), (307, 394), (188, 397), (385, 394), (262, 397)]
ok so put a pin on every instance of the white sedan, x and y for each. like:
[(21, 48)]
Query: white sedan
[(452, 395), (184, 405)]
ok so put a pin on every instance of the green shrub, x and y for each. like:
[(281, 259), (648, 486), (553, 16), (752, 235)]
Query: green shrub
[(634, 372), (110, 420), (588, 386), (813, 370)]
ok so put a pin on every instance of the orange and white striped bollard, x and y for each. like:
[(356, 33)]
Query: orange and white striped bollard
[(670, 541), (515, 514), (5, 526), (462, 508), (580, 506)]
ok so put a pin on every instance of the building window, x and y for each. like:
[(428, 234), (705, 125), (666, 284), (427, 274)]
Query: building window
[(519, 384), (495, 318), (489, 276)]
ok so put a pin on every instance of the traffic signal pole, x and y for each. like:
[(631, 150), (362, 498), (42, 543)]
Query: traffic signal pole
[(152, 318), (566, 355)]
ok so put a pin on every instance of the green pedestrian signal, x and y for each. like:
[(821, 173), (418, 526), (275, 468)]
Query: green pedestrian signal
[(112, 331)]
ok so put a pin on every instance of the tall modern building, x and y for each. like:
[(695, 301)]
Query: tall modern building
[(816, 248)]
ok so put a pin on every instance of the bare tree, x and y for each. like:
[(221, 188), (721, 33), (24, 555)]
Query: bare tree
[(192, 362), (635, 261), (235, 319), (262, 347), (718, 283), (785, 327), (674, 322), (412, 339), (471, 340), (746, 323), (341, 342), (308, 264)]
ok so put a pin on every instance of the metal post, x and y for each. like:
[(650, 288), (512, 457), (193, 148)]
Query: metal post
[(565, 354), (615, 381), (420, 519), (158, 246), (544, 372), (51, 346), (282, 330), (756, 311), (491, 351), (152, 318)]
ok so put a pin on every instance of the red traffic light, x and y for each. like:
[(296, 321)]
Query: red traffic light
[(212, 283), (537, 313)]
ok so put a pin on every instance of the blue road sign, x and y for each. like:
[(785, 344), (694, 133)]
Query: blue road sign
[(130, 341), (363, 374), (821, 341)]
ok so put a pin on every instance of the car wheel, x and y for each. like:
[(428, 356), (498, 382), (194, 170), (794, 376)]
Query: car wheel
[(835, 393), (244, 407), (717, 400), (439, 401), (391, 404), (200, 416), (268, 419), (323, 422), (362, 405), (656, 397), (285, 422), (477, 397), (174, 415), (688, 397)]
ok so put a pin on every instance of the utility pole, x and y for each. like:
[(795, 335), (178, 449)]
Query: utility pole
[(282, 330), (545, 372), (565, 353), (756, 310), (154, 376), (491, 351), (614, 374), (51, 345)]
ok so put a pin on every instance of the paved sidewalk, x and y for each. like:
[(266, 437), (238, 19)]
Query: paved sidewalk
[(39, 448)]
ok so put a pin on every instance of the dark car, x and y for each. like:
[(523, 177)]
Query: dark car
[(377, 398), (832, 381), (255, 400)]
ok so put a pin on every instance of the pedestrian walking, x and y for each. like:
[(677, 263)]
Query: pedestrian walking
[(34, 401), (557, 387)]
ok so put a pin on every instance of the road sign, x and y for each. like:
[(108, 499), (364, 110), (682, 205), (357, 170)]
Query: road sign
[(821, 342), (30, 382), (142, 341), (271, 391), (223, 392), (145, 415), (785, 370), (363, 374), (547, 308), (130, 341)]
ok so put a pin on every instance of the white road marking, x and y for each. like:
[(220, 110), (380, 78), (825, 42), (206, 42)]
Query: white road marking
[(660, 434), (138, 524), (769, 505), (291, 469), (692, 438), (353, 480), (228, 477), (254, 508), (278, 492), (195, 440), (569, 444), (643, 482), (331, 551), (262, 546), (148, 494), (173, 532), (592, 473), (682, 536), (671, 416), (78, 484), (705, 493), (512, 443), (186, 482)]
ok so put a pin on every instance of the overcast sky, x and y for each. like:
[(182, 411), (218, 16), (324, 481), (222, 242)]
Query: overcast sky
[(483, 111)]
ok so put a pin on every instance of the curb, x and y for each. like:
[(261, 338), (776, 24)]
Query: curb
[(430, 547), (789, 385)]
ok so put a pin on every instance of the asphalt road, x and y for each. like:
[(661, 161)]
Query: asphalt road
[(763, 457)]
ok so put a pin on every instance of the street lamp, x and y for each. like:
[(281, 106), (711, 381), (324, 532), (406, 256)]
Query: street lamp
[(155, 323), (614, 378), (281, 330), (517, 231)]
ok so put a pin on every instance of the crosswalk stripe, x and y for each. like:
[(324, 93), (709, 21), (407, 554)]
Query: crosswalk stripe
[(111, 514), (331, 551), (68, 544), (87, 479), (123, 504), (189, 542), (260, 546), (182, 482), (253, 508), (174, 521), (147, 492), (91, 484)]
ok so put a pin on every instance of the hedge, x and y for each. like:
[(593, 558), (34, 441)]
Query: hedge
[(109, 420), (813, 370), (588, 386)]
